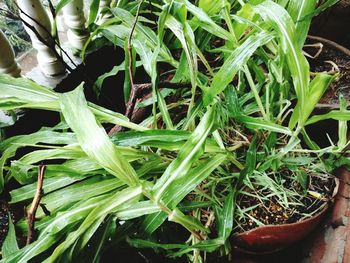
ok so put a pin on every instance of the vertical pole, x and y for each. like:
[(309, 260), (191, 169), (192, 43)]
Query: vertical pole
[(75, 20), (48, 62), (61, 25)]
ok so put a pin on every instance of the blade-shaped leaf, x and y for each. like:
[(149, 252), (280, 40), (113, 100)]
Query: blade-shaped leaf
[(298, 9), (225, 218), (137, 210), (343, 115), (60, 4), (207, 23), (10, 245), (237, 59), (54, 229), (19, 93), (92, 138), (180, 188), (316, 90), (186, 37), (255, 123), (342, 125), (140, 138), (298, 66), (94, 8), (97, 215), (190, 152), (50, 184), (91, 187)]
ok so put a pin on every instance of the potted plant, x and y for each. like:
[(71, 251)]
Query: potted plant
[(231, 94)]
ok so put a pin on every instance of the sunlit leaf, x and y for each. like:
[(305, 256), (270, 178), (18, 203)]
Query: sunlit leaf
[(92, 137), (237, 59)]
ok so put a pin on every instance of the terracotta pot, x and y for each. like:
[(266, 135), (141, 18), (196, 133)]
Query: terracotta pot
[(330, 100), (271, 238), (340, 56)]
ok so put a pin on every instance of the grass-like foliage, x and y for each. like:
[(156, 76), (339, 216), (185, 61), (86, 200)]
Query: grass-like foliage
[(234, 127)]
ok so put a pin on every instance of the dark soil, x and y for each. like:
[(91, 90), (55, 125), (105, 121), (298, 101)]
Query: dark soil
[(322, 131), (333, 24), (4, 219), (323, 64), (271, 212)]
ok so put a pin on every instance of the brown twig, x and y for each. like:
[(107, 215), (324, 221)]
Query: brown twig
[(330, 43), (145, 88), (34, 206), (132, 98)]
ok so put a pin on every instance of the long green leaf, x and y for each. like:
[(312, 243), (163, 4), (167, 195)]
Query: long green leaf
[(92, 137), (298, 9), (334, 114), (185, 35), (137, 210), (314, 93), (50, 184), (255, 123), (97, 215), (60, 4), (225, 220), (54, 230), (342, 125), (10, 146), (180, 188), (16, 93), (94, 8), (10, 245), (91, 187), (298, 66), (190, 152), (207, 23), (141, 138), (246, 13), (142, 33), (325, 5), (237, 59)]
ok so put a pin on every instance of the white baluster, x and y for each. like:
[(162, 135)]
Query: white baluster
[(104, 16), (75, 20), (48, 62), (61, 25), (8, 64)]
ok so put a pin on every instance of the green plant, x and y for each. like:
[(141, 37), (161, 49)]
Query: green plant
[(237, 132)]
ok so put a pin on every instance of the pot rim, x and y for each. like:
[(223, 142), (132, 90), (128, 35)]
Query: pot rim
[(303, 221), (312, 222)]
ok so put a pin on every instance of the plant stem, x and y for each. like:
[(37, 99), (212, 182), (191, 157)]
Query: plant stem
[(168, 211), (267, 103), (35, 204), (144, 88), (255, 92), (132, 98)]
